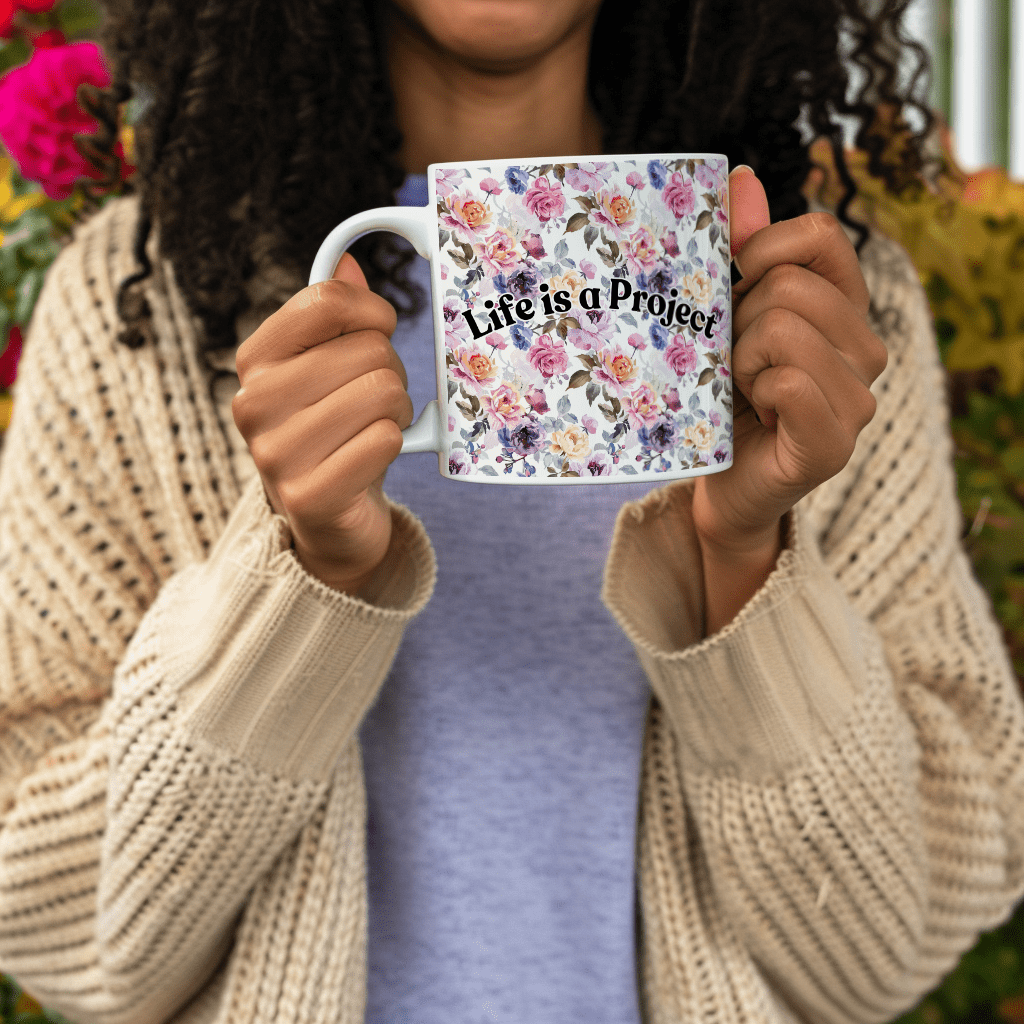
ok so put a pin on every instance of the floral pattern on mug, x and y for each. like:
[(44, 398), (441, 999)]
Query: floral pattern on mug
[(587, 317)]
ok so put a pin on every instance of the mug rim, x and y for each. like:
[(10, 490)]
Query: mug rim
[(587, 158)]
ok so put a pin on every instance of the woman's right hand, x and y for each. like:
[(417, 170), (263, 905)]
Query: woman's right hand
[(322, 404)]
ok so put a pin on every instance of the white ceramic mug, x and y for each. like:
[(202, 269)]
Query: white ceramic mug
[(582, 316)]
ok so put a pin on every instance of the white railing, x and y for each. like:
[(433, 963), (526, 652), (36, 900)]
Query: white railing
[(978, 50)]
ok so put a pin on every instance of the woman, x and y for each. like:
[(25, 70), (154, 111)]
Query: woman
[(208, 592)]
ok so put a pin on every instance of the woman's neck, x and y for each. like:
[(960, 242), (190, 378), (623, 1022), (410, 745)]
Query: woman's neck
[(452, 110)]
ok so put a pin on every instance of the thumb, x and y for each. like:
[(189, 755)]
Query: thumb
[(748, 207), (349, 270)]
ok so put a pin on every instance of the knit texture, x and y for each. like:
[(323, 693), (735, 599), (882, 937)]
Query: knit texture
[(830, 808)]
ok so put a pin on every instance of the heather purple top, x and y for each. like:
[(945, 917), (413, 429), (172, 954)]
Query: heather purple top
[(502, 756)]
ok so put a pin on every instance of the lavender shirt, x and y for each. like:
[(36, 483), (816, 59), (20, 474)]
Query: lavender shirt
[(502, 756)]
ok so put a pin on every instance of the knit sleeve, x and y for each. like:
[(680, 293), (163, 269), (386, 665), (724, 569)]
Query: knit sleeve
[(166, 737), (849, 750)]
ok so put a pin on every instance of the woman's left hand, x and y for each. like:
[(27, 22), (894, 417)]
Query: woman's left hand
[(804, 358)]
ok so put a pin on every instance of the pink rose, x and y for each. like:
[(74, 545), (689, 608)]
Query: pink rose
[(538, 401), (545, 200), (634, 179), (681, 355), (670, 243), (497, 251), (588, 270), (490, 186), (534, 245), (616, 369), (679, 196), (642, 407), (503, 404), (548, 356), (671, 399), (639, 251), (39, 114), (464, 213)]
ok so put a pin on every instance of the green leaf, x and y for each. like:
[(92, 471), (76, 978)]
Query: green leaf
[(77, 17), (13, 54)]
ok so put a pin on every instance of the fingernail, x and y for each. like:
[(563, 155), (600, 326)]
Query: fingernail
[(735, 274), (744, 167)]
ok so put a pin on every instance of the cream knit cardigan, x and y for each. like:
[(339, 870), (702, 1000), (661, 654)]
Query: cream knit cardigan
[(832, 797)]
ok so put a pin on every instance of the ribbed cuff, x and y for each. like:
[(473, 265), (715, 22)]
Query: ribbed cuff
[(755, 698), (273, 666)]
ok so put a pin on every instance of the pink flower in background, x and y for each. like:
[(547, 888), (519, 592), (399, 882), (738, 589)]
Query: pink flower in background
[(490, 186), (678, 195), (10, 357), (545, 200), (8, 9), (39, 114), (634, 179), (588, 269)]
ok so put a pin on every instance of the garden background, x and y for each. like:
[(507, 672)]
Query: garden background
[(964, 232)]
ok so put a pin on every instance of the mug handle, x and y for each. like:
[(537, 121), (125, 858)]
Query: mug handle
[(415, 224)]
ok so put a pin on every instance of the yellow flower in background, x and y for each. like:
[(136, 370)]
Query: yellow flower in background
[(965, 235), (11, 206)]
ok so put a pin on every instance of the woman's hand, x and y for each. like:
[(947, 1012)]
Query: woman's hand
[(803, 359), (322, 405)]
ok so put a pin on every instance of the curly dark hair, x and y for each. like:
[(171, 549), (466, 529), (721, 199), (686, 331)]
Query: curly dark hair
[(276, 117)]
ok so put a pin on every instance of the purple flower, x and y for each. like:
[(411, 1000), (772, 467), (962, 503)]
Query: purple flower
[(661, 280), (457, 463), (517, 180), (659, 437), (721, 455), (658, 173), (523, 281), (521, 336), (659, 336), (523, 439)]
